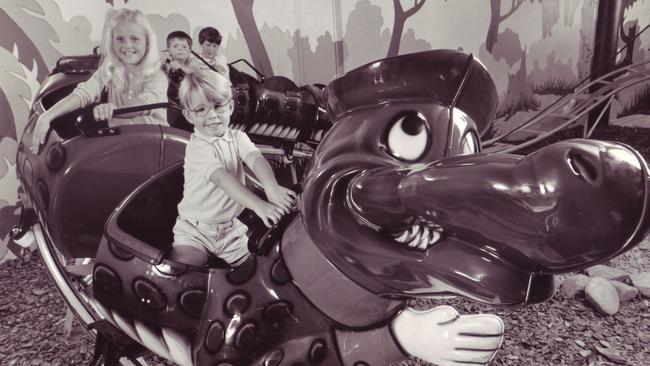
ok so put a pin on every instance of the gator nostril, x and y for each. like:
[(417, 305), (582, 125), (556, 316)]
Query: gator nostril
[(582, 166)]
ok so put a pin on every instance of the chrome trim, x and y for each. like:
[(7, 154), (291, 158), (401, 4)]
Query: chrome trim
[(65, 290)]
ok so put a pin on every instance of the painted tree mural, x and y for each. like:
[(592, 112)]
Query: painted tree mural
[(586, 47), (550, 15), (495, 20), (570, 8), (166, 25), (364, 38), (399, 20), (246, 19), (308, 65), (519, 95), (628, 36), (31, 44), (30, 50), (26, 53), (280, 41)]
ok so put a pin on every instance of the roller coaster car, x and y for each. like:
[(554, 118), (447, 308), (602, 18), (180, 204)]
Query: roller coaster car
[(396, 202), (85, 189), (276, 111), (73, 168)]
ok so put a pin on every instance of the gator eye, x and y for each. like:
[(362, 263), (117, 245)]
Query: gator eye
[(408, 137), (469, 144)]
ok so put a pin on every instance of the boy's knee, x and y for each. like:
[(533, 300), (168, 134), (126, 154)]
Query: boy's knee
[(188, 255)]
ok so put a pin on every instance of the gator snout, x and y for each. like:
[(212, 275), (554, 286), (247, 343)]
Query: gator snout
[(559, 209)]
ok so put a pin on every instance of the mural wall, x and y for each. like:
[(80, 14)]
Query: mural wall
[(532, 48)]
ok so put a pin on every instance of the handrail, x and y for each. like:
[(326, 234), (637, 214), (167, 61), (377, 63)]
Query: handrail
[(610, 95), (634, 78)]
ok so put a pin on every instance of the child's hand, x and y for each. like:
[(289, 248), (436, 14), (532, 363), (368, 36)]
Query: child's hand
[(103, 112), (40, 131), (269, 213), (281, 197), (174, 65)]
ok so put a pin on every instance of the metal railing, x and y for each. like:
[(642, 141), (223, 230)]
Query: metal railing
[(572, 107)]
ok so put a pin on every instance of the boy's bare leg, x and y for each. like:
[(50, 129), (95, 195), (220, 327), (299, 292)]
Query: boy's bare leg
[(188, 255)]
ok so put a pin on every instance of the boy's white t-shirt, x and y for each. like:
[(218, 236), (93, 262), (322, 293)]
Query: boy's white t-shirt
[(203, 200)]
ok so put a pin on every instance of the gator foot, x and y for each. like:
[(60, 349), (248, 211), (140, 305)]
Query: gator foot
[(445, 338)]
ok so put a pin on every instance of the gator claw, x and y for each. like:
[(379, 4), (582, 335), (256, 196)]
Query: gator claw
[(442, 336)]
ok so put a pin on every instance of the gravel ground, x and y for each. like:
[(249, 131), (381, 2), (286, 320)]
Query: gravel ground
[(32, 318), (568, 331), (560, 331), (32, 315)]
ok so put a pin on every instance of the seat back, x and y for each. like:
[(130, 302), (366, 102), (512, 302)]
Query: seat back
[(150, 213)]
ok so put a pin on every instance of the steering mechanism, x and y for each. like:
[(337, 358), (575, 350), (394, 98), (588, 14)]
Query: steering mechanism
[(87, 125)]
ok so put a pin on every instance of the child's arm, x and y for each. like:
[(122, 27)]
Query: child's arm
[(275, 193), (85, 93), (66, 105), (222, 66), (175, 65), (193, 64), (269, 213)]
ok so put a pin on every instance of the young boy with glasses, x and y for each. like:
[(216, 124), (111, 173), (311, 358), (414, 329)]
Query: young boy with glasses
[(214, 192)]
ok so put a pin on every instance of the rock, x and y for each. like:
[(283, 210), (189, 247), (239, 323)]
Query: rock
[(580, 343), (608, 273), (40, 291), (625, 292), (611, 355), (642, 282), (602, 295), (605, 344), (574, 285)]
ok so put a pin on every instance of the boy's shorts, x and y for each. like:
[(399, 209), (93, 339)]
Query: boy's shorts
[(227, 241)]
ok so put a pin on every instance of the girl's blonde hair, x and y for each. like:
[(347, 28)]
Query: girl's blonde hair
[(207, 83), (111, 68)]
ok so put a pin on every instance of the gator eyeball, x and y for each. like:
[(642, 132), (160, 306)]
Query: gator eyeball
[(408, 137), (469, 144)]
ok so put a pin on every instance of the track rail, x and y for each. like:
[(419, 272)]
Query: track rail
[(76, 301), (576, 105)]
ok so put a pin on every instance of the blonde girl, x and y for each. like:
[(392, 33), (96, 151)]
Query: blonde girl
[(129, 73)]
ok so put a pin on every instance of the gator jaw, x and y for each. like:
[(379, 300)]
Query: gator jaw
[(560, 209)]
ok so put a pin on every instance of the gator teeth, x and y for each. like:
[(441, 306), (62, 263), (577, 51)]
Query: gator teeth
[(402, 238), (435, 236), (285, 132), (254, 128), (276, 131), (408, 234), (418, 236)]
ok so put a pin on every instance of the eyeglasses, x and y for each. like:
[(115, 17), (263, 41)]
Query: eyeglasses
[(219, 108)]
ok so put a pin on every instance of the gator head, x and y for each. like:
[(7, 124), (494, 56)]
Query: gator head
[(393, 202)]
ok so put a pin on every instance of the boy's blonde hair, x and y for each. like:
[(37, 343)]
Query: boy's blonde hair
[(111, 67), (212, 85)]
